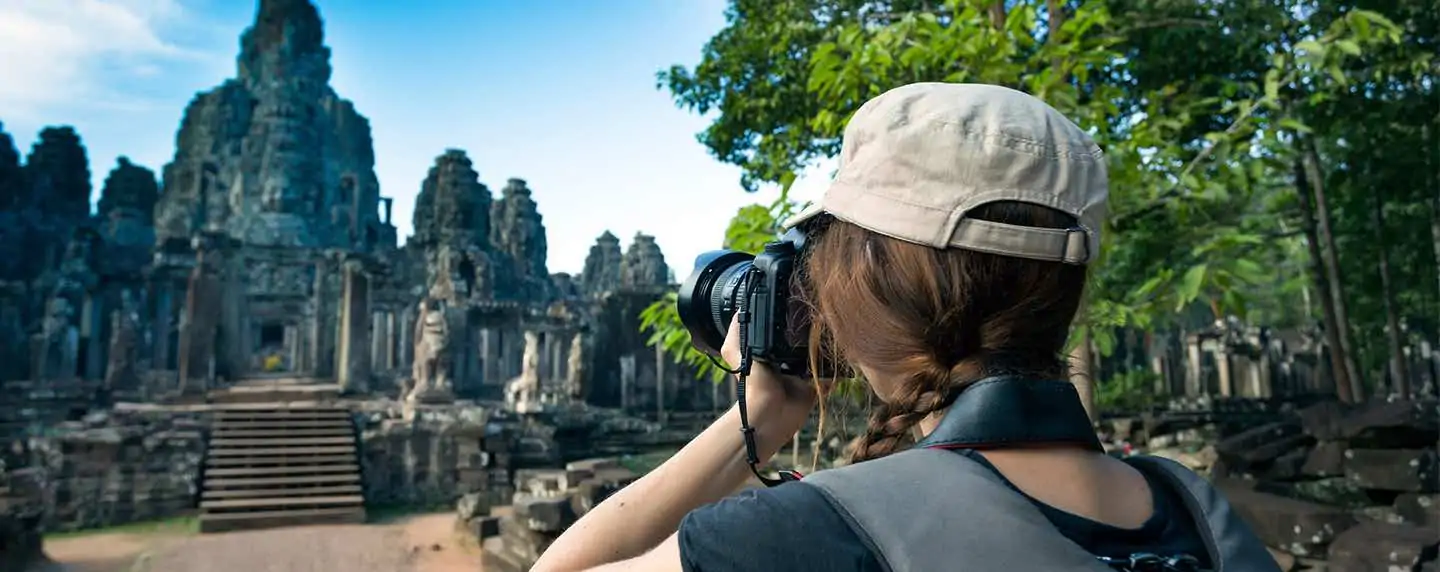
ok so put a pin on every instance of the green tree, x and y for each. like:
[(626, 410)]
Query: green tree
[(1201, 108)]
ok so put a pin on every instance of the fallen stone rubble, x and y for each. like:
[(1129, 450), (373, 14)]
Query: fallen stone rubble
[(21, 513), (546, 502), (1328, 487)]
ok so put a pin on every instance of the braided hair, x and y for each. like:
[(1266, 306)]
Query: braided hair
[(927, 322)]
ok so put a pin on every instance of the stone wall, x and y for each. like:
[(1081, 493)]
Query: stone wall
[(120, 467), (21, 512), (433, 455)]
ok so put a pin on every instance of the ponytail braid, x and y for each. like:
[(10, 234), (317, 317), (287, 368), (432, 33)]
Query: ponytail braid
[(928, 390)]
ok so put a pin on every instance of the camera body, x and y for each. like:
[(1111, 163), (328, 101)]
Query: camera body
[(711, 296)]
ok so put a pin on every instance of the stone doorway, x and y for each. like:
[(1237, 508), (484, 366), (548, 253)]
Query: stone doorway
[(274, 347)]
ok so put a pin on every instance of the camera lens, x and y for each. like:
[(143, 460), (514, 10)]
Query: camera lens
[(707, 298)]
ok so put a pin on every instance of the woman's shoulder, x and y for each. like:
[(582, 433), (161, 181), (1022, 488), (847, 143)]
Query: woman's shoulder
[(792, 526)]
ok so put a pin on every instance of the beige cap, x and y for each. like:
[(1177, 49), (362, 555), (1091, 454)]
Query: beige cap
[(917, 158)]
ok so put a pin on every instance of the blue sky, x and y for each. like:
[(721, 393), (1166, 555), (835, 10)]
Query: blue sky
[(558, 92)]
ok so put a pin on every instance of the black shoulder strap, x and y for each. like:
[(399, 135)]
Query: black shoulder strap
[(1232, 544)]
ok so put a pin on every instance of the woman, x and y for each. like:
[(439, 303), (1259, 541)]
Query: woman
[(945, 263)]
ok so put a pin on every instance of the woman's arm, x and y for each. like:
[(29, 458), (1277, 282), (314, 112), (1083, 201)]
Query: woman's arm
[(633, 521)]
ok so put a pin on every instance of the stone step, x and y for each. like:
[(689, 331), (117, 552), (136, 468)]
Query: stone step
[(281, 441), (296, 451), (284, 424), (224, 522), (271, 471), (283, 432), (297, 462), (213, 494), (270, 396), (216, 484), (281, 414), (281, 379), (281, 502)]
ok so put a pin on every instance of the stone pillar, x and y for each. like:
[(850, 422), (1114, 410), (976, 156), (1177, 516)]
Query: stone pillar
[(292, 347), (160, 327), (627, 380), (1193, 383), (490, 356), (354, 361), (1222, 366), (389, 362), (405, 349), (198, 329), (377, 338), (92, 331), (322, 358)]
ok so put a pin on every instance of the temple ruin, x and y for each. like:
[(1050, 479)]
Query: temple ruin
[(255, 311)]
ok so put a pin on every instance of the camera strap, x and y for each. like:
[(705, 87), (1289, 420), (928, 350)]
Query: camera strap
[(741, 372)]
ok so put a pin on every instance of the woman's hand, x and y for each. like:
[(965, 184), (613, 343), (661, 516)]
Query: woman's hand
[(778, 405)]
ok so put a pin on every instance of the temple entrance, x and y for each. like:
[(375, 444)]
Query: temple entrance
[(273, 348)]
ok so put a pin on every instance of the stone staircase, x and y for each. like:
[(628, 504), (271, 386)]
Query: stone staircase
[(270, 465)]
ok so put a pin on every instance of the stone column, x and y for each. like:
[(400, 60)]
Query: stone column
[(390, 361), (1222, 366), (354, 361), (490, 356), (627, 380), (377, 338), (197, 336), (160, 328), (1193, 383), (405, 349), (92, 331)]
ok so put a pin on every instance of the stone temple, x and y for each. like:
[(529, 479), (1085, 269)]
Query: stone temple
[(262, 270)]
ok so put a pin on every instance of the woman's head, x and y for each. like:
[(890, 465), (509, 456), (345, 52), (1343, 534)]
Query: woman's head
[(951, 246)]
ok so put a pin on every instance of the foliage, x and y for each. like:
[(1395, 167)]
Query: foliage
[(752, 227), (1128, 392), (1199, 106)]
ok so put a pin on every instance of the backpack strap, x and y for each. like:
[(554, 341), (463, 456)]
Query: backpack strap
[(1232, 544), (923, 510)]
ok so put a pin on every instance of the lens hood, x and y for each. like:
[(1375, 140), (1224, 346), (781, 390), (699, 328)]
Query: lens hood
[(701, 308)]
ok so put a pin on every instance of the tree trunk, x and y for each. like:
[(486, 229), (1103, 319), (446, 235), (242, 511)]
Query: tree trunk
[(1322, 288), (1399, 369), (1082, 374), (997, 14), (1331, 262), (1434, 168)]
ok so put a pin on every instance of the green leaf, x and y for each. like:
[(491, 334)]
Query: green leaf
[(1349, 47), (1189, 288)]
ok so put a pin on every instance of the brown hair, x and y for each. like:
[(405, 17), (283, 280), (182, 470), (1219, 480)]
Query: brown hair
[(936, 319)]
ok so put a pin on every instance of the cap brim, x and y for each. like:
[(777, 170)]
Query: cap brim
[(810, 212)]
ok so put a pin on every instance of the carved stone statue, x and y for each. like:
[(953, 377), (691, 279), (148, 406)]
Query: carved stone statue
[(575, 368), (523, 392), (431, 371)]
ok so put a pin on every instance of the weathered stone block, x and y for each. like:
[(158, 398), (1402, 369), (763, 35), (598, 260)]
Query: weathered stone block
[(1419, 509), (544, 514), (1297, 527), (1407, 470), (1262, 444), (1380, 547), (1325, 459), (472, 505)]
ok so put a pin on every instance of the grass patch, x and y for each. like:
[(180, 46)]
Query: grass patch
[(179, 525), (389, 513)]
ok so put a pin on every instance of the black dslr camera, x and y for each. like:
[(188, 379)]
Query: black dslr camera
[(725, 282)]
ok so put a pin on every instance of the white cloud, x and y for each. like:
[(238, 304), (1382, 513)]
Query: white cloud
[(57, 53)]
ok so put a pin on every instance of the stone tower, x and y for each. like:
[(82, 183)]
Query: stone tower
[(452, 230), (274, 157)]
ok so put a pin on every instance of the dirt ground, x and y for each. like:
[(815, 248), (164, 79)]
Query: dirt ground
[(422, 543)]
